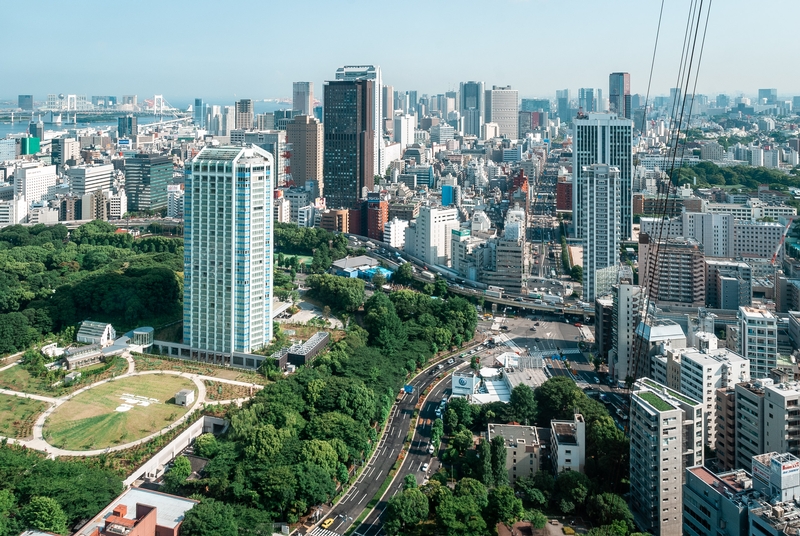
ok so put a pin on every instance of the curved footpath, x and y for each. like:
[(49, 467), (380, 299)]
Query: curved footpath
[(40, 443)]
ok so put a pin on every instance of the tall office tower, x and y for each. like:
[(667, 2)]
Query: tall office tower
[(372, 73), (65, 150), (227, 120), (213, 119), (303, 97), (535, 105), (89, 178), (404, 127), (599, 186), (502, 108), (349, 141), (25, 102), (428, 236), (305, 134), (619, 94), (227, 293), (199, 113), (244, 114), (146, 180), (472, 107), (127, 126), (562, 105), (586, 100), (36, 129), (604, 139), (758, 340), (666, 438), (387, 101), (35, 181), (413, 101), (767, 96)]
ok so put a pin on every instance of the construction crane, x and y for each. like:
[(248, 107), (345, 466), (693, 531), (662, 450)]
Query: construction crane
[(780, 243)]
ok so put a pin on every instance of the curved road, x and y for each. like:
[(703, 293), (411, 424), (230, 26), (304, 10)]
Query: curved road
[(383, 458)]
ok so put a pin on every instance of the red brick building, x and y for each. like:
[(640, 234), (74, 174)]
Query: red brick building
[(564, 194)]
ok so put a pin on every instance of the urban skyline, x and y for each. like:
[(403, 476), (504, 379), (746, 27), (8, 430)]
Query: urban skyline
[(628, 51)]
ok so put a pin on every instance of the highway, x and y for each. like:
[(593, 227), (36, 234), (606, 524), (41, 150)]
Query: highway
[(364, 489)]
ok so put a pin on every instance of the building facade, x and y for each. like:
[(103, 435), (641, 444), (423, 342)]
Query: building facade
[(599, 188), (305, 133), (146, 179), (371, 73), (228, 250), (303, 97)]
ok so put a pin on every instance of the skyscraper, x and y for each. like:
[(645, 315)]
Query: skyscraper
[(146, 180), (244, 114), (502, 107), (198, 113), (227, 301), (472, 107), (562, 105), (373, 73), (603, 139), (388, 102), (25, 102), (768, 96), (126, 126), (589, 99), (619, 94), (303, 97), (305, 134), (599, 187), (349, 141)]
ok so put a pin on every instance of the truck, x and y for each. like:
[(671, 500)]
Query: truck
[(552, 299), (427, 275), (493, 293), (535, 295)]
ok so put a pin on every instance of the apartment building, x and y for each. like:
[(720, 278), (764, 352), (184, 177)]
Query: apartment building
[(522, 449), (666, 438), (758, 339)]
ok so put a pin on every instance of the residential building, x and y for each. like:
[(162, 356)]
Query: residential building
[(619, 94), (502, 108), (522, 449), (244, 114), (507, 266), (404, 127), (753, 210), (599, 188), (35, 181), (228, 250), (174, 202), (282, 209), (88, 178), (628, 304), (65, 151), (394, 232), (303, 98), (472, 107), (428, 236), (336, 220), (674, 270), (349, 141), (749, 401), (705, 372), (568, 444), (729, 284), (666, 438), (603, 139), (374, 117), (712, 151), (758, 339), (716, 504), (305, 133), (146, 179), (377, 215), (725, 447)]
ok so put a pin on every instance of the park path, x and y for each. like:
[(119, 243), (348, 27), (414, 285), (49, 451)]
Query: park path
[(40, 443)]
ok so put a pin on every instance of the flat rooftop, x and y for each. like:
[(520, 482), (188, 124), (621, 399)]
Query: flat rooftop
[(565, 432), (754, 312), (170, 509)]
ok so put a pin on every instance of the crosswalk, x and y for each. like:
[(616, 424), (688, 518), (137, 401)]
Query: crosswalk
[(319, 531)]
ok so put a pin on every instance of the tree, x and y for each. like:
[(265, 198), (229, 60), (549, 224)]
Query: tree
[(485, 463), (556, 399), (504, 506), (210, 518), (537, 519), (460, 516), (607, 508), (499, 471), (178, 473), (378, 279), (440, 287), (462, 440), (523, 404), (571, 487), (409, 481), (206, 445), (469, 487), (526, 485), (463, 410), (406, 509), (577, 273), (45, 514), (404, 275)]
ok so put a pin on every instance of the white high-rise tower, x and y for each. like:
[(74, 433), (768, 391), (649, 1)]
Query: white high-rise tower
[(599, 187), (603, 139), (227, 293), (370, 72)]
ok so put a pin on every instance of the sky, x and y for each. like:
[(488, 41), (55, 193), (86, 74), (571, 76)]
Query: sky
[(223, 51)]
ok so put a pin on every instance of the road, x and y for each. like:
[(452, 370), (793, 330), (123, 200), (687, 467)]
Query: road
[(353, 503)]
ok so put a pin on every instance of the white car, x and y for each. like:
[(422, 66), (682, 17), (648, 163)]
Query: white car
[(425, 467)]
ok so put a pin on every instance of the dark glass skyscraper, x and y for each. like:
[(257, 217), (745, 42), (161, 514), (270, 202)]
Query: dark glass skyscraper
[(127, 126), (473, 107), (619, 94), (349, 140), (146, 180), (199, 113)]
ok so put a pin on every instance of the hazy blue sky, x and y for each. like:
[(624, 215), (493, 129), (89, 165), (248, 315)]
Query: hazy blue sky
[(221, 50)]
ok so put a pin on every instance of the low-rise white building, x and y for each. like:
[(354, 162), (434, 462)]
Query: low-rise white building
[(568, 444), (394, 233), (522, 449)]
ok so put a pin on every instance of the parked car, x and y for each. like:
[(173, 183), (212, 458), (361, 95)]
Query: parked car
[(425, 467)]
